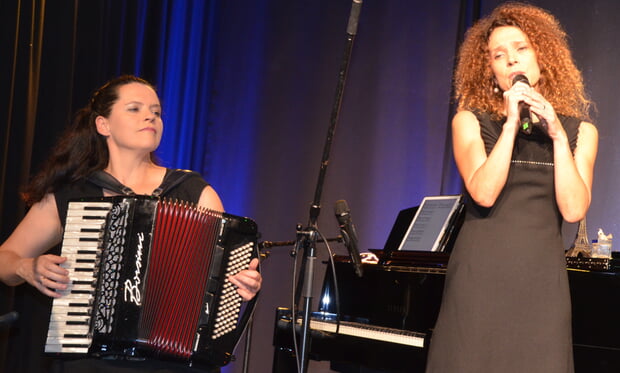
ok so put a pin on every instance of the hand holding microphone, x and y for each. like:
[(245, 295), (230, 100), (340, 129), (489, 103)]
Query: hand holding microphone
[(540, 107), (525, 118)]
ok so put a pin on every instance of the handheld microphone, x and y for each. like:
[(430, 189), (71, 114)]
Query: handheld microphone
[(347, 230), (524, 109), (8, 318)]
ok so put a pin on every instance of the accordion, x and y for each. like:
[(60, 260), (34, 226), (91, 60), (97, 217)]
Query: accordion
[(150, 280)]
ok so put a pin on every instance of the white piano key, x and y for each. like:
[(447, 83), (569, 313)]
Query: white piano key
[(78, 253), (76, 243), (62, 331), (65, 319), (77, 204), (82, 298), (84, 269), (61, 328), (75, 291), (69, 350), (65, 341), (80, 287), (88, 256), (64, 310), (85, 205), (83, 277), (73, 219), (78, 232), (83, 224), (75, 297), (81, 269)]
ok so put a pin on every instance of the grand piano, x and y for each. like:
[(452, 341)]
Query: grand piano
[(385, 318)]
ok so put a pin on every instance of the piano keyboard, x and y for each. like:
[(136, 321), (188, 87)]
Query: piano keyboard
[(367, 331), (69, 330), (377, 333), (360, 330)]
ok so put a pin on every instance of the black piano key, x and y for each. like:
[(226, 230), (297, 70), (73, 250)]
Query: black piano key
[(81, 292), (83, 269), (78, 313), (94, 217), (77, 323), (88, 239), (75, 335), (79, 304), (87, 252)]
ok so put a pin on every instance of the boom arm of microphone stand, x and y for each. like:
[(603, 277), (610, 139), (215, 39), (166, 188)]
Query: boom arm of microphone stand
[(263, 245), (270, 244)]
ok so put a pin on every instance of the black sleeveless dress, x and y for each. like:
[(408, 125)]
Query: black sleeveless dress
[(28, 336), (506, 302)]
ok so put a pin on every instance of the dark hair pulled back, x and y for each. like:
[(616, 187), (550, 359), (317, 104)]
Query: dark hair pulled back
[(81, 150)]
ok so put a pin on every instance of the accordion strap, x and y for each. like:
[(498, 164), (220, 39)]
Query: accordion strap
[(109, 182), (171, 180)]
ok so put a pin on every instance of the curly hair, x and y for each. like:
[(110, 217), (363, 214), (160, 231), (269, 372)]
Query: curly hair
[(560, 81), (81, 150)]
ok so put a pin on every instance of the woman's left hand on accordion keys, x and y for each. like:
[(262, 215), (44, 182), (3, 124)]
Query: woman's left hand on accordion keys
[(248, 281)]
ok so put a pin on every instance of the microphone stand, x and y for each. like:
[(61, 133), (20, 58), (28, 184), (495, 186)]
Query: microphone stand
[(306, 238)]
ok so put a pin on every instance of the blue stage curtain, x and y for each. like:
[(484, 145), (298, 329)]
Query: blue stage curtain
[(184, 68), (195, 137)]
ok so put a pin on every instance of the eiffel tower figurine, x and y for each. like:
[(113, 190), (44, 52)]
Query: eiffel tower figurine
[(581, 246)]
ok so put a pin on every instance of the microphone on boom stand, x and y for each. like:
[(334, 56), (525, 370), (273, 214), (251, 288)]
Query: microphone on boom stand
[(349, 234), (306, 238)]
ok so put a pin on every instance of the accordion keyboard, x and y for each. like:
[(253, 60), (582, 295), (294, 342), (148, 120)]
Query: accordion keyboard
[(69, 330)]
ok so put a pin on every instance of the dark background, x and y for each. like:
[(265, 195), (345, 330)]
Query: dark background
[(248, 89)]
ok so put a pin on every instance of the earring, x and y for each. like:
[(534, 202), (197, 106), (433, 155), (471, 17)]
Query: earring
[(495, 86)]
